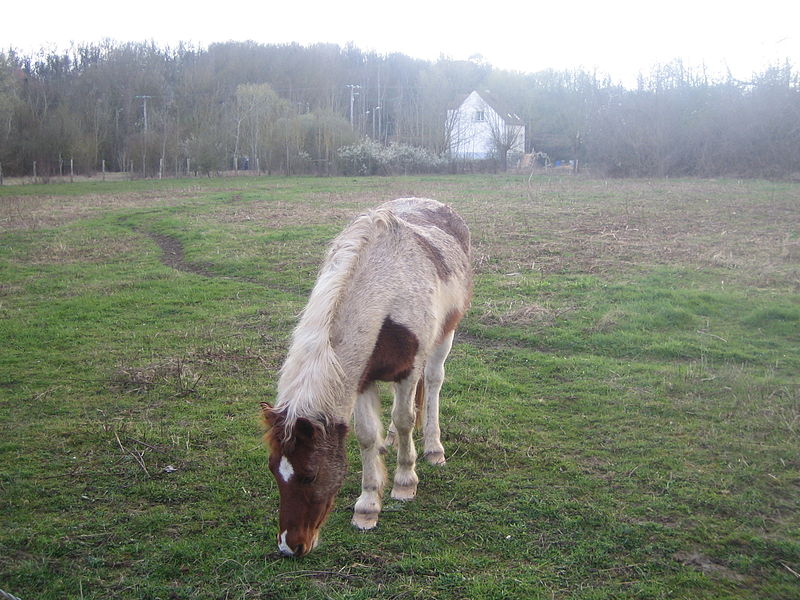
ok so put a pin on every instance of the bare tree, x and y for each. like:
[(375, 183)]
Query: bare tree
[(507, 134)]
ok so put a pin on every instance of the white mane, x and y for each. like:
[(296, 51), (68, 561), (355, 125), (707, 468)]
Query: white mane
[(311, 383)]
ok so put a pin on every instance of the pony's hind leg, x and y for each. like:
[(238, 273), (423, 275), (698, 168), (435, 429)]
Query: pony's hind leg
[(391, 433), (373, 479), (434, 376), (403, 417)]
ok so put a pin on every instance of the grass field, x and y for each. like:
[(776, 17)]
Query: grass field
[(621, 413)]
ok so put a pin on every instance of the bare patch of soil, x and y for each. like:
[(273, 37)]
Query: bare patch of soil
[(176, 372), (185, 374), (707, 566)]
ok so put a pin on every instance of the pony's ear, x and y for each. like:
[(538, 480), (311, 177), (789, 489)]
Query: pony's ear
[(273, 433), (267, 413), (341, 429), (305, 430)]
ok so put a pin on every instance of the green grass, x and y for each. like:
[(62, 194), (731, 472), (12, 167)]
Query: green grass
[(621, 412)]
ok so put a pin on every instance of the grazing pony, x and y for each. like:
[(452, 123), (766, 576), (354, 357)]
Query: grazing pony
[(392, 289)]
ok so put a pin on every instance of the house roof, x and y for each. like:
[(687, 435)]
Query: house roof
[(510, 117)]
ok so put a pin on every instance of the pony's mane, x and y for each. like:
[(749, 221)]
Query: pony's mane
[(311, 383)]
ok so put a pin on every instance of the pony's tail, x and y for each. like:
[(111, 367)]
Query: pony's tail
[(419, 401)]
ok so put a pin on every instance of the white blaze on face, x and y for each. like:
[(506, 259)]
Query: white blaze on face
[(285, 469), (283, 547)]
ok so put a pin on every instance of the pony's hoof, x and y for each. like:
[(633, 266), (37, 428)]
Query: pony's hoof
[(435, 458), (365, 521), (404, 492)]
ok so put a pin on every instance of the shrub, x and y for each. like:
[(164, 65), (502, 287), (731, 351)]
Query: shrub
[(368, 157)]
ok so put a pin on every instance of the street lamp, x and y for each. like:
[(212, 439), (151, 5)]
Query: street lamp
[(353, 93), (374, 112)]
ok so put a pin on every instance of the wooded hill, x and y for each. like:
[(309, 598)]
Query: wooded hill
[(292, 109)]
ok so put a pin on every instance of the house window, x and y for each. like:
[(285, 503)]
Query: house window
[(480, 115)]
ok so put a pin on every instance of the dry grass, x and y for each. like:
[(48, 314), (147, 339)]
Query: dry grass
[(86, 248), (608, 321), (566, 224), (184, 374), (279, 214), (520, 313), (641, 223), (174, 372), (31, 213), (316, 208)]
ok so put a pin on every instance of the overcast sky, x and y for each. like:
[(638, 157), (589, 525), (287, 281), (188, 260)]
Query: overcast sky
[(620, 38)]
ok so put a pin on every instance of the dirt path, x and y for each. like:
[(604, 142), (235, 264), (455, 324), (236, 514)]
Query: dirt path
[(172, 255)]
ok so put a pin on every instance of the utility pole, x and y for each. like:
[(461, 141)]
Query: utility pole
[(116, 137), (144, 146), (353, 93)]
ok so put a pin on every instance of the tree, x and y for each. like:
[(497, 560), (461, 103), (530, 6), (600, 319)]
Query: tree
[(287, 107), (257, 109), (507, 135), (10, 104)]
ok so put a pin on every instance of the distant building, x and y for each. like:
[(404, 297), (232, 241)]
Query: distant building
[(480, 127)]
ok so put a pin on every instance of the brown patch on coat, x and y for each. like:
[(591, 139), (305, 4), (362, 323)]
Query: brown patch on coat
[(435, 255), (446, 219), (451, 321), (392, 357)]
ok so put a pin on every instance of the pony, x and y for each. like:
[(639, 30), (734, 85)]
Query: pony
[(391, 291)]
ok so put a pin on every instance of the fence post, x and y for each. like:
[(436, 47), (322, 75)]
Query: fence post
[(71, 170), (1, 173), (104, 169), (34, 171)]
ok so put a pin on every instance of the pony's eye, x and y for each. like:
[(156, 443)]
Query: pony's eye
[(306, 479)]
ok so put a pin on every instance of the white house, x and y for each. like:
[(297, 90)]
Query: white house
[(481, 128)]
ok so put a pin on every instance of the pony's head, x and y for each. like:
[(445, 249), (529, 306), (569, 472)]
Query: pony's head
[(309, 463)]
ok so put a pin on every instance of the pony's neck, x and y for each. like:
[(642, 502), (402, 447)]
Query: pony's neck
[(311, 381)]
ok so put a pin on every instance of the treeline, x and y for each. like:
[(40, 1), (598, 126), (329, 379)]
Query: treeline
[(289, 109)]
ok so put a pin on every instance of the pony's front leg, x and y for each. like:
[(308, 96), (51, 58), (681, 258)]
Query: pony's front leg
[(403, 417), (373, 478)]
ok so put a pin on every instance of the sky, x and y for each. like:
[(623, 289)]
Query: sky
[(619, 38)]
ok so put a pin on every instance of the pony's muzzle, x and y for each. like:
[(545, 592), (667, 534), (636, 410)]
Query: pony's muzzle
[(289, 547)]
